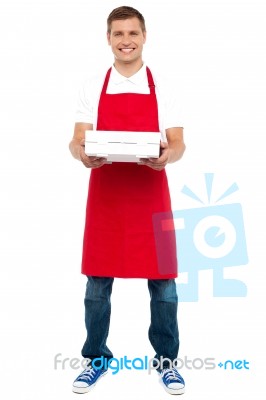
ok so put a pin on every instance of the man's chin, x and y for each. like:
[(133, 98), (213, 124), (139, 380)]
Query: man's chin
[(124, 60)]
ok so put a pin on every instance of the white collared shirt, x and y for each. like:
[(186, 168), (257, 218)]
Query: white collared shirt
[(137, 83), (89, 95)]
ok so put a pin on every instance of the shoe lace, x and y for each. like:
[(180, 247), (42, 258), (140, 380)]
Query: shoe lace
[(88, 373), (171, 374)]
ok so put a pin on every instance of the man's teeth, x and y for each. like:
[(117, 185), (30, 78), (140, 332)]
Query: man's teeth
[(126, 50)]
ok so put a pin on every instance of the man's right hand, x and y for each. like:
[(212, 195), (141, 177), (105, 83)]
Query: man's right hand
[(90, 161), (77, 147)]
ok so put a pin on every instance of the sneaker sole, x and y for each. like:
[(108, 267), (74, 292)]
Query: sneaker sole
[(172, 391), (82, 390)]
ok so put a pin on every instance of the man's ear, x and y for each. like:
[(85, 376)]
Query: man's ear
[(108, 38), (145, 36)]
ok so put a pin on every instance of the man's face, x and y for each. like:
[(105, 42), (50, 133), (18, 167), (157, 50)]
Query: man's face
[(126, 40)]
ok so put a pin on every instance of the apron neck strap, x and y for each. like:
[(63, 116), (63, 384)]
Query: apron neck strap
[(106, 80), (149, 76), (150, 81)]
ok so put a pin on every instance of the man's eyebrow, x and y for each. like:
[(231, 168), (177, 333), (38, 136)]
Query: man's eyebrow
[(133, 31)]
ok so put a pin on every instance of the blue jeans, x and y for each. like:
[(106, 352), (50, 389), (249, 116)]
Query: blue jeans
[(163, 330)]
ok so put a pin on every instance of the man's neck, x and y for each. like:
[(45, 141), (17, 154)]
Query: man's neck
[(128, 69)]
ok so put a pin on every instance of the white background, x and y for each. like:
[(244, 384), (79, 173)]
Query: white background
[(215, 52)]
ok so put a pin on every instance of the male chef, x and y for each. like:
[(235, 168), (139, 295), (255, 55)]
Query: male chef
[(123, 198)]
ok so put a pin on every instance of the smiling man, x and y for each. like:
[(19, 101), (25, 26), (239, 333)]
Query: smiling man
[(119, 239), (126, 39)]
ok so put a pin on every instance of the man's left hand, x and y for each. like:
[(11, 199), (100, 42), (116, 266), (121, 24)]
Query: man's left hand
[(158, 163)]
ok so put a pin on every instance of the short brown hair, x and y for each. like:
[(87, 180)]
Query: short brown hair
[(125, 12)]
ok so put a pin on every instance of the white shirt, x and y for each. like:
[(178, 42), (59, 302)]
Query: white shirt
[(89, 95)]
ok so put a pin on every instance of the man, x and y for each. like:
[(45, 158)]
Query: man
[(119, 238)]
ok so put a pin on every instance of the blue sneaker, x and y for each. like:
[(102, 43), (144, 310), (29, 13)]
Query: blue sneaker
[(172, 381), (88, 379)]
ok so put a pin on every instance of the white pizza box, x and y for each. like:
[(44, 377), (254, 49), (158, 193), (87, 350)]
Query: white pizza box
[(122, 146)]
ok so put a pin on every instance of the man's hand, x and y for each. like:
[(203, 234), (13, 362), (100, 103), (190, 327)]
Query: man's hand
[(170, 151), (77, 147), (158, 163), (90, 161)]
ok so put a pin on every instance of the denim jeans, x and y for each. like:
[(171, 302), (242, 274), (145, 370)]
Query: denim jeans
[(163, 330)]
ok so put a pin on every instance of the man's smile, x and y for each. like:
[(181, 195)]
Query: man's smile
[(127, 50)]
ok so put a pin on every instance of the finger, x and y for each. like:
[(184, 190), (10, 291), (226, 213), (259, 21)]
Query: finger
[(154, 166), (142, 161), (94, 158), (99, 162), (156, 161), (92, 162)]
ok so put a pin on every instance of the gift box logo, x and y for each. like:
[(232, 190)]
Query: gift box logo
[(208, 237)]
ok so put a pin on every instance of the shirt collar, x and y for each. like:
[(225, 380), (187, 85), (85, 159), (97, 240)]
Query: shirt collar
[(136, 79)]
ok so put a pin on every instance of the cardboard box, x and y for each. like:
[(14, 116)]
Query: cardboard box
[(122, 146)]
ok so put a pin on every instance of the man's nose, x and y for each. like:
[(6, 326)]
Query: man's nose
[(126, 40)]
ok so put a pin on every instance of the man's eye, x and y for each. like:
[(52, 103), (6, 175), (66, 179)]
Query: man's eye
[(117, 34)]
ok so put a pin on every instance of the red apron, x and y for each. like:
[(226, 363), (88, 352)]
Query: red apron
[(119, 239)]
